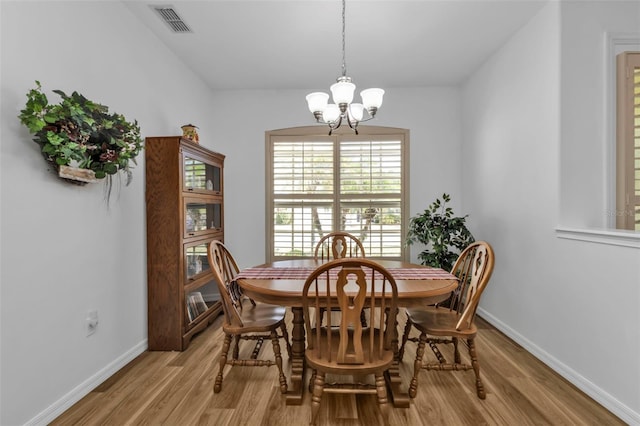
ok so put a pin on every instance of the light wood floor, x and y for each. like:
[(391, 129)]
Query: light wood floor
[(173, 388)]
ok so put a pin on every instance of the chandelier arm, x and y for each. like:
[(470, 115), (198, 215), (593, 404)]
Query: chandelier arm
[(353, 125), (335, 125)]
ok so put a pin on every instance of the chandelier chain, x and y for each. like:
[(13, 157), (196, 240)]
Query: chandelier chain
[(344, 60)]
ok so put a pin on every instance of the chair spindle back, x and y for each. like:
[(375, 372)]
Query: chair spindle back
[(225, 269), (473, 268), (348, 286), (338, 245)]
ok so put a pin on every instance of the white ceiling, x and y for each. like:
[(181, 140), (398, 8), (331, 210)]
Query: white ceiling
[(276, 44)]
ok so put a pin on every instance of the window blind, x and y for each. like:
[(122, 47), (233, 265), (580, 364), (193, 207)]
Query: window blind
[(348, 183), (628, 141), (636, 145)]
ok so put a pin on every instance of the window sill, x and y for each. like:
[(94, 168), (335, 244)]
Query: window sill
[(612, 237)]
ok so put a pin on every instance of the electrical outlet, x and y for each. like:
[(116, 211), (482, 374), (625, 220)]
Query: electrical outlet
[(92, 322)]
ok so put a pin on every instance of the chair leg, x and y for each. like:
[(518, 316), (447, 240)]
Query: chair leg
[(223, 361), (405, 337), (456, 351), (312, 380), (285, 336), (476, 368), (383, 398), (417, 365), (236, 346), (276, 351), (316, 396)]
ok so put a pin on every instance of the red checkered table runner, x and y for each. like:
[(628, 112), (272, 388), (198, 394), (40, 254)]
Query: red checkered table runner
[(301, 273)]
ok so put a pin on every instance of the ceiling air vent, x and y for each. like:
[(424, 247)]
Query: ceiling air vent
[(169, 15)]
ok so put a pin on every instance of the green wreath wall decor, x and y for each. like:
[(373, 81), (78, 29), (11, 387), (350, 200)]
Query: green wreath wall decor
[(80, 133)]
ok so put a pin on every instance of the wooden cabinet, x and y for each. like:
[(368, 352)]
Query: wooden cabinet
[(185, 212)]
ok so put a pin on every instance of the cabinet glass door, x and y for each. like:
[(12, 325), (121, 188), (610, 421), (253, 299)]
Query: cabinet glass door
[(196, 261), (200, 300), (200, 175), (202, 216)]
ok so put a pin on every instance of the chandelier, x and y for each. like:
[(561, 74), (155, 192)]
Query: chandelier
[(344, 109)]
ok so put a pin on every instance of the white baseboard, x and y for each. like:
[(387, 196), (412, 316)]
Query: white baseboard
[(80, 391), (605, 399)]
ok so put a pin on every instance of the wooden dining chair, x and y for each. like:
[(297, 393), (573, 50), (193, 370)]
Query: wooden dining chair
[(338, 245), (245, 319), (446, 325), (347, 348)]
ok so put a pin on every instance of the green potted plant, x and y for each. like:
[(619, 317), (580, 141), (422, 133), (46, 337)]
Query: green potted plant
[(444, 234), (80, 134)]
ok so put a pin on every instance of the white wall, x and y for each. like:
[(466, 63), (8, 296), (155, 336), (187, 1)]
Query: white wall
[(62, 251), (573, 304), (241, 119)]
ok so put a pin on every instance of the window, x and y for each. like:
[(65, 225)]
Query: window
[(628, 141), (354, 183)]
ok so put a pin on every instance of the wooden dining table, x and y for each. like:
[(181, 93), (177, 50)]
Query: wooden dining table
[(281, 283)]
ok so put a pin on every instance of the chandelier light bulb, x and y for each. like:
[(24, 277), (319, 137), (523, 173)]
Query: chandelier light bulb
[(342, 92), (331, 113), (317, 102), (372, 98), (356, 112)]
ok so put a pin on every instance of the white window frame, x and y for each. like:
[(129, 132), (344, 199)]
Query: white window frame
[(320, 133)]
